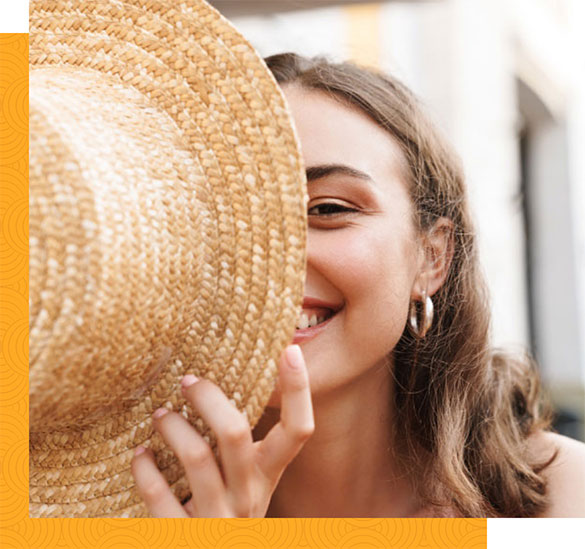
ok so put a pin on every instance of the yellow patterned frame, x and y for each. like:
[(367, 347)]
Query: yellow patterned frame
[(17, 531)]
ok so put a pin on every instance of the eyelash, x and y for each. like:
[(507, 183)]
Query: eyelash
[(340, 209)]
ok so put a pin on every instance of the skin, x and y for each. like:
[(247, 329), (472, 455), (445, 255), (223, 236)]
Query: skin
[(565, 476), (306, 456)]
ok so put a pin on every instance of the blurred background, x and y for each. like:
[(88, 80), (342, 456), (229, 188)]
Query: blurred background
[(505, 80)]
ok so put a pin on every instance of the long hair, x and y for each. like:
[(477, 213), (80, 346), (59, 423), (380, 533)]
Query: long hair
[(464, 412)]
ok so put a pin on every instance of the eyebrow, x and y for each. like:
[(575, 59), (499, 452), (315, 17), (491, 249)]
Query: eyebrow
[(323, 170)]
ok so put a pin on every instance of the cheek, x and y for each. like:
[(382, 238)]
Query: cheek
[(364, 263), (374, 272), (346, 257)]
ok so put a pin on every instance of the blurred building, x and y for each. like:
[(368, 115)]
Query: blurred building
[(505, 80)]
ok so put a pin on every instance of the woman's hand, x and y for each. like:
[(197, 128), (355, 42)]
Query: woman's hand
[(249, 470)]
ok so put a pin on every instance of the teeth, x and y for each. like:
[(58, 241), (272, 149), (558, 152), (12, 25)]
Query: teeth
[(306, 322), (303, 322)]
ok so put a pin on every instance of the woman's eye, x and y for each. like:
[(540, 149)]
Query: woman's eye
[(329, 208)]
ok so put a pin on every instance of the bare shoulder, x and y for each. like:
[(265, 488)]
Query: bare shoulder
[(565, 475)]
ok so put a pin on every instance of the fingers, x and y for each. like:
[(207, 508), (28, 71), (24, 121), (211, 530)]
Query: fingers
[(296, 424), (248, 468), (153, 487), (201, 469), (233, 433)]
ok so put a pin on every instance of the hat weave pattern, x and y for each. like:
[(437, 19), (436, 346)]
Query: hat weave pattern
[(167, 236)]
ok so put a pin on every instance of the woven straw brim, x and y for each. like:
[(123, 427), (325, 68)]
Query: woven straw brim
[(167, 236)]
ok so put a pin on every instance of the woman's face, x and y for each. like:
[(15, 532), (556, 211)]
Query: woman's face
[(362, 250)]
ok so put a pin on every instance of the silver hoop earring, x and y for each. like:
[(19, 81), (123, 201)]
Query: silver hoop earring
[(427, 316)]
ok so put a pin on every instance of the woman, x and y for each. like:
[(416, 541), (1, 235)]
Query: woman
[(414, 415)]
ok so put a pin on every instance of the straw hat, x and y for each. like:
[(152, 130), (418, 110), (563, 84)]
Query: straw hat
[(167, 232)]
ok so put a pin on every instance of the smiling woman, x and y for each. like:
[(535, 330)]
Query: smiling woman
[(414, 414)]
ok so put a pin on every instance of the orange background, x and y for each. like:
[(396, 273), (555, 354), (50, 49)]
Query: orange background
[(16, 529)]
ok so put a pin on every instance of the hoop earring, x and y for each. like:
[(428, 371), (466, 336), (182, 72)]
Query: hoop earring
[(427, 316)]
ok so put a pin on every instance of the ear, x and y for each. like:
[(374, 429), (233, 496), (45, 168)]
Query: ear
[(435, 258)]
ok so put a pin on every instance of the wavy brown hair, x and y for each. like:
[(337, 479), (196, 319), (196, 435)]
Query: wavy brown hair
[(464, 411)]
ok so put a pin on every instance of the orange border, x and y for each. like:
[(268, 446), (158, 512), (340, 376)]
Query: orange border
[(16, 529)]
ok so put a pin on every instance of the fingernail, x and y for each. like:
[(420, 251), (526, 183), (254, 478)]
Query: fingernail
[(294, 356), (189, 380), (159, 413), (139, 450)]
